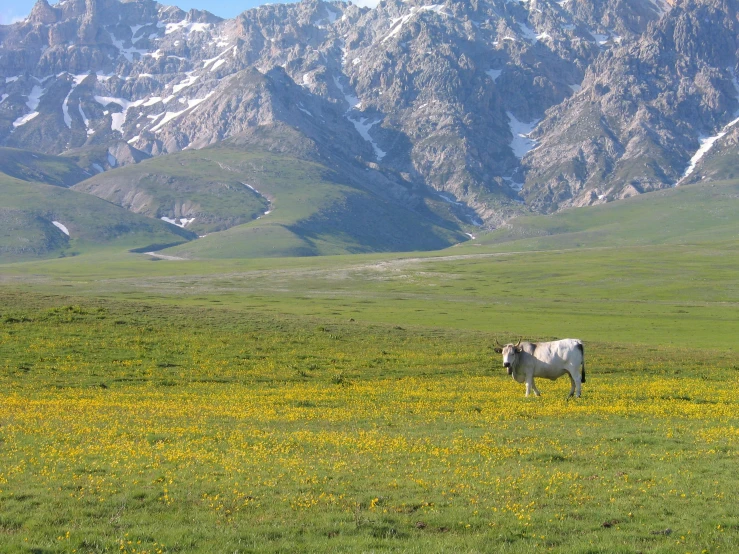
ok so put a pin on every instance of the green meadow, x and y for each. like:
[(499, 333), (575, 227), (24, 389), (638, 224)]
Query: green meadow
[(355, 404)]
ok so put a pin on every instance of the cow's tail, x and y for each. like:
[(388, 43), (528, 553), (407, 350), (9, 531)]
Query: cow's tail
[(582, 353)]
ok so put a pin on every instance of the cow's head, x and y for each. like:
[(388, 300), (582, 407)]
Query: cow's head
[(510, 355)]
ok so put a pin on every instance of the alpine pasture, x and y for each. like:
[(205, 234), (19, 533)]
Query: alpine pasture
[(355, 404)]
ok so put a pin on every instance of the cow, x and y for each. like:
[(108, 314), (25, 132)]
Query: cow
[(551, 360)]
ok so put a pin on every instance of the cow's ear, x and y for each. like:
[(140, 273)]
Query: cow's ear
[(498, 350), (519, 349)]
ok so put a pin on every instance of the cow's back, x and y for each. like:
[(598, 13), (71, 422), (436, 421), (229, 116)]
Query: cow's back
[(554, 358), (567, 351)]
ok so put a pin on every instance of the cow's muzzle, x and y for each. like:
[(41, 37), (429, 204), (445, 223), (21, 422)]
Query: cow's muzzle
[(509, 367)]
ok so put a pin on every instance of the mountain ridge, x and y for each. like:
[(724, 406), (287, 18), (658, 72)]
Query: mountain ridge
[(498, 108)]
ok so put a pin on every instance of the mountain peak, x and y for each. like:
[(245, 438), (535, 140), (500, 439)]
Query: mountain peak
[(202, 16), (42, 12)]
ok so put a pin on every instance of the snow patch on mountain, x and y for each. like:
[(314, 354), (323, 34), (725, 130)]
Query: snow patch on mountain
[(330, 18), (117, 119), (396, 25), (61, 227), (351, 99), (269, 204), (122, 102), (181, 222), (191, 80), (364, 128), (186, 26), (218, 60), (85, 120), (128, 52), (494, 73), (24, 119), (169, 116), (65, 110), (662, 6), (34, 99), (521, 143), (706, 143), (528, 33), (65, 104), (361, 123), (600, 39)]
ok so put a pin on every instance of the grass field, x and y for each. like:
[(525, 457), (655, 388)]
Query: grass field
[(354, 404)]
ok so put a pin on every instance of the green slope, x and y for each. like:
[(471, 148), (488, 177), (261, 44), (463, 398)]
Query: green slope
[(256, 202), (313, 212), (690, 214), (42, 168), (186, 184), (27, 210)]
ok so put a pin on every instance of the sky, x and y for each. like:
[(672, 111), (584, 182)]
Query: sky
[(223, 8)]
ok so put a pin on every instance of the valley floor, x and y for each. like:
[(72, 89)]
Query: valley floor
[(355, 404)]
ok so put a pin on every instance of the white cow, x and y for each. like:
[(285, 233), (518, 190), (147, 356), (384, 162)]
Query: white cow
[(551, 360)]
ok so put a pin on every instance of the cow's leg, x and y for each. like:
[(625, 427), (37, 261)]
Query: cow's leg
[(531, 387), (573, 386)]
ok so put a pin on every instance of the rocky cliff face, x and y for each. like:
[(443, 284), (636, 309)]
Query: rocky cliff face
[(638, 121), (486, 102)]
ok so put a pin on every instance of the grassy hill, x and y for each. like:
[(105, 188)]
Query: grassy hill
[(26, 165), (187, 184), (689, 214), (28, 210), (261, 202), (255, 203), (313, 213)]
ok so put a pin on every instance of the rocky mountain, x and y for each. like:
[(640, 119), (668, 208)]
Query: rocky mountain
[(492, 108), (647, 112)]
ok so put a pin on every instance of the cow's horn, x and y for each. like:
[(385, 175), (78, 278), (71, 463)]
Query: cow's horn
[(498, 343), (519, 342)]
